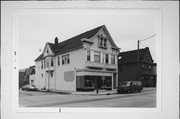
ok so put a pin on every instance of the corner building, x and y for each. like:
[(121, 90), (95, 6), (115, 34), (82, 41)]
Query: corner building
[(84, 62)]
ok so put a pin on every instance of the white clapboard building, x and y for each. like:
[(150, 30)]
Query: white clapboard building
[(83, 62)]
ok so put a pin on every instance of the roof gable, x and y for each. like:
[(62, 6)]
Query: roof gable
[(131, 56), (48, 49), (30, 70), (107, 34), (74, 42)]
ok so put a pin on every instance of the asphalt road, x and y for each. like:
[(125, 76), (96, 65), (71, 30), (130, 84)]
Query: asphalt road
[(146, 98)]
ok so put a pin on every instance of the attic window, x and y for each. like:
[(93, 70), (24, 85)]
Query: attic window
[(102, 41), (47, 51)]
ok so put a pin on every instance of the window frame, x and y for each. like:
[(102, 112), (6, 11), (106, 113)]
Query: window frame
[(96, 53), (107, 59), (88, 55), (42, 64), (102, 42), (58, 60), (65, 59), (52, 62), (112, 59)]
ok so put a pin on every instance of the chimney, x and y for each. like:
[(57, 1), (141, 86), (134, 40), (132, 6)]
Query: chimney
[(56, 41)]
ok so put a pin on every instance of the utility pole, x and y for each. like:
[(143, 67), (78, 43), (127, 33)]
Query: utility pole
[(48, 71), (138, 43), (138, 60)]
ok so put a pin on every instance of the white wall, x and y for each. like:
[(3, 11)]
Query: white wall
[(77, 60), (39, 80)]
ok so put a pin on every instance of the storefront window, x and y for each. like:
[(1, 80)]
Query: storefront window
[(89, 83)]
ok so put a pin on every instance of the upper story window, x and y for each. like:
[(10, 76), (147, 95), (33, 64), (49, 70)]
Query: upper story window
[(47, 63), (102, 42), (103, 57), (88, 55), (96, 56), (58, 60), (143, 66), (47, 51), (112, 59), (65, 59), (149, 67), (106, 58), (41, 64), (52, 62)]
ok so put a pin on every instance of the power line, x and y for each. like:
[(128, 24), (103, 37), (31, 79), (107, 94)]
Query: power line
[(148, 38), (142, 44)]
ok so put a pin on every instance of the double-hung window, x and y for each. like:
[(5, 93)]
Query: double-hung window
[(65, 59), (52, 62), (88, 55), (112, 59), (96, 56), (102, 42), (106, 58), (58, 60), (42, 64)]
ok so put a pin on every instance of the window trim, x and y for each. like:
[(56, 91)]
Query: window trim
[(107, 58), (42, 64), (52, 62), (102, 42), (112, 61), (58, 59), (65, 59), (96, 53), (88, 55)]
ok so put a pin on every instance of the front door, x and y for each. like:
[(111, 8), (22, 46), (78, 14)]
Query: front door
[(51, 82), (98, 82)]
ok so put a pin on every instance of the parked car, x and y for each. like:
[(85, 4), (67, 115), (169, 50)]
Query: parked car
[(29, 87), (130, 86)]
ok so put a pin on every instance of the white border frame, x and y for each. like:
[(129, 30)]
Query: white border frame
[(11, 6), (15, 45)]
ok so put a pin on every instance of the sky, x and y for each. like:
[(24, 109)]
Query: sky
[(126, 27)]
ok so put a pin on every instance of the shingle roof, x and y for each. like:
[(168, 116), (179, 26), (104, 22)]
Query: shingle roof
[(72, 43), (131, 56), (30, 70)]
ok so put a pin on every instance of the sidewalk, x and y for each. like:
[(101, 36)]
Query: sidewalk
[(101, 92)]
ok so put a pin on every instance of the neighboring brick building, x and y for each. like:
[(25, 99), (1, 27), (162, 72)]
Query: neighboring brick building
[(144, 70), (83, 62)]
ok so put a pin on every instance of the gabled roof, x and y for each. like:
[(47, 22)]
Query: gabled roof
[(131, 56), (30, 70), (72, 43)]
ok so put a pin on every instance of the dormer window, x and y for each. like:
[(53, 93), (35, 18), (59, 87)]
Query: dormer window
[(102, 41)]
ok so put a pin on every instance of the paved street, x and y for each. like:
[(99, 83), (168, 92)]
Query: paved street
[(147, 98)]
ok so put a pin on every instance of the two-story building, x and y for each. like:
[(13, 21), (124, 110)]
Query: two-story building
[(83, 62), (137, 65)]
